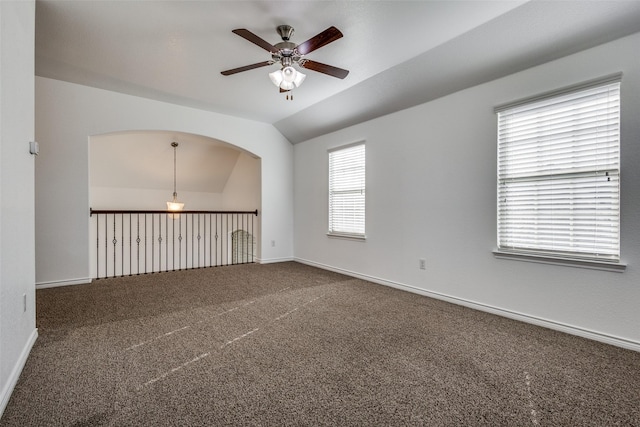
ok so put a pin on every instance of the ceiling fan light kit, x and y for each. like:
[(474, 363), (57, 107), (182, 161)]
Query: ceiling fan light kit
[(287, 54), (287, 78)]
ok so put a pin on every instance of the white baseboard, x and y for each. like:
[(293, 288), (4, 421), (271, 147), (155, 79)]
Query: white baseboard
[(7, 390), (274, 260), (550, 324), (68, 282)]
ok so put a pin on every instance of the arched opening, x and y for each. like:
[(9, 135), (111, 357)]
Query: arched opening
[(133, 172)]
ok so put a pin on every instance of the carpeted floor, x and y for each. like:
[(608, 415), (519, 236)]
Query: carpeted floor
[(288, 344)]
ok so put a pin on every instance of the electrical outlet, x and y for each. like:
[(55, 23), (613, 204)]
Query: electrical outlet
[(423, 263), (273, 243)]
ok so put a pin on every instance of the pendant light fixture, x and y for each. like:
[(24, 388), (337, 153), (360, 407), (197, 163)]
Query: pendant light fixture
[(174, 205)]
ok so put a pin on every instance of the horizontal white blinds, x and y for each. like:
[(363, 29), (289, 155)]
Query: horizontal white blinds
[(558, 174), (347, 190)]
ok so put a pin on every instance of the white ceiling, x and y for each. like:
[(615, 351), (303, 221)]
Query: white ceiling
[(399, 53)]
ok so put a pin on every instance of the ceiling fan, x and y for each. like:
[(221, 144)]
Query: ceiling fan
[(287, 53)]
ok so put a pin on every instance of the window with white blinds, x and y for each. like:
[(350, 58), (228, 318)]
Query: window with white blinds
[(559, 174), (347, 191)]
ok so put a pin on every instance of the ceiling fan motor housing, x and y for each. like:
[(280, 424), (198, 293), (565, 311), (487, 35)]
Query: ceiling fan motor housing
[(285, 31), (286, 53)]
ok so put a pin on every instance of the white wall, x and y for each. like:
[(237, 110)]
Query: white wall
[(242, 191), (67, 114), (431, 193), (150, 199), (17, 270)]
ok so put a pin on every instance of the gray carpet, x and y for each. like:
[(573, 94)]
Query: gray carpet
[(288, 344)]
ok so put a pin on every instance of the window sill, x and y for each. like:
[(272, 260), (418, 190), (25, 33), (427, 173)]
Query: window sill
[(569, 262), (357, 237)]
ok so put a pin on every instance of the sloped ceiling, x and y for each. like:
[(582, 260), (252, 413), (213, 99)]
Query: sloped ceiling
[(399, 53)]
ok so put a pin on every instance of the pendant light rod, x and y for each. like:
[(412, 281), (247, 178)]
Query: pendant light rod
[(175, 194)]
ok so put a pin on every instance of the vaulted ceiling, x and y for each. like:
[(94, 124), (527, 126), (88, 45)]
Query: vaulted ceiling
[(399, 53)]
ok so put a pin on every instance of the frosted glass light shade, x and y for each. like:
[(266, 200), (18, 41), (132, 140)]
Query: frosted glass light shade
[(174, 206), (289, 74), (276, 77), (287, 78), (286, 85), (299, 78)]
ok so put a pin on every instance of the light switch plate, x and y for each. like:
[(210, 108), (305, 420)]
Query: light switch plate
[(34, 148)]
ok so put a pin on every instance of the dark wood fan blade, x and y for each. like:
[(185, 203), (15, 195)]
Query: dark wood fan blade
[(329, 35), (246, 34), (245, 68), (324, 68)]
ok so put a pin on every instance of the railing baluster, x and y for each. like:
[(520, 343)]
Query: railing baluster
[(97, 246), (186, 242), (243, 250), (138, 244), (204, 258), (173, 244), (211, 264), (247, 238), (234, 255), (121, 244), (146, 256), (153, 225), (179, 234), (130, 244), (225, 234), (114, 245), (160, 244), (252, 240), (216, 243), (106, 247)]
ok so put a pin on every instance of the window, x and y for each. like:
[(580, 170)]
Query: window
[(347, 191), (559, 174)]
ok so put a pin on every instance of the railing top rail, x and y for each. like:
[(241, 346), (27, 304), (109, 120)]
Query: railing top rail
[(130, 211)]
